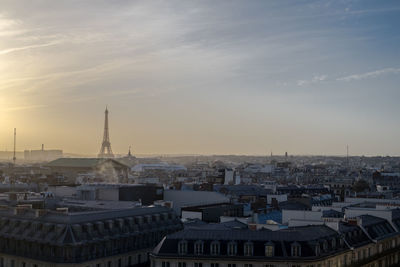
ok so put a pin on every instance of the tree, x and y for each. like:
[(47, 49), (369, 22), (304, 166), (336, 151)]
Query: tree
[(360, 186)]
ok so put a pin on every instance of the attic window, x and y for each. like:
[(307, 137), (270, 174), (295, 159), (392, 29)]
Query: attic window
[(333, 242), (317, 250), (248, 249), (198, 247), (325, 245), (182, 247), (214, 248), (296, 250), (269, 249), (232, 248)]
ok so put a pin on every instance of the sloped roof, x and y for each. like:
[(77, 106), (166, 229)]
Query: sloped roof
[(353, 234), (82, 162), (80, 227), (200, 225), (307, 237), (303, 233), (377, 228)]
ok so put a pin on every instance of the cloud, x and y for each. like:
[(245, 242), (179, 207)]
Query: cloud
[(15, 49), (25, 107), (372, 74), (315, 79)]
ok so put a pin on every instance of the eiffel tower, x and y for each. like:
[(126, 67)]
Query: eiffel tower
[(105, 151)]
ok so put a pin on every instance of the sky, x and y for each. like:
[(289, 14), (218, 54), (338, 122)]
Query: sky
[(201, 77)]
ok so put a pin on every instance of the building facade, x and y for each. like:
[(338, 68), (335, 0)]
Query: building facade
[(306, 246), (95, 238)]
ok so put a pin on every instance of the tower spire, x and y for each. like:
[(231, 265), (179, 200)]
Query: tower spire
[(105, 150)]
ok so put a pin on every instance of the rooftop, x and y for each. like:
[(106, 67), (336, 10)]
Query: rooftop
[(82, 162)]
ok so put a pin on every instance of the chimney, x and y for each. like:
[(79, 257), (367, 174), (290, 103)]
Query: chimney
[(62, 210)]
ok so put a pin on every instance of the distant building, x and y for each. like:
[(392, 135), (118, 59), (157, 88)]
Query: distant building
[(42, 154), (109, 170), (146, 194), (213, 212), (188, 198), (157, 166)]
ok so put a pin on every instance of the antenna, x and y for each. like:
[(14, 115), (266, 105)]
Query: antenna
[(347, 154), (15, 141)]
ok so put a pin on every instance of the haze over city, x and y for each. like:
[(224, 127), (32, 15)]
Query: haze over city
[(201, 77)]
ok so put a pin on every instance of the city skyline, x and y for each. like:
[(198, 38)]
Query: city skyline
[(201, 77)]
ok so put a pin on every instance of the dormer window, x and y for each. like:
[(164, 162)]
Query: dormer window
[(182, 247), (334, 243), (269, 249), (317, 250), (296, 249), (248, 249), (214, 248), (232, 248), (325, 245), (198, 247)]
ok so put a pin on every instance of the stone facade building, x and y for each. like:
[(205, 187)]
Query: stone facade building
[(371, 242), (91, 238)]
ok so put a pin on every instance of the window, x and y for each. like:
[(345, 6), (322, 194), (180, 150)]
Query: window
[(231, 264), (232, 248), (214, 264), (119, 263), (109, 264), (248, 249), (130, 260), (317, 249), (296, 249), (325, 245), (333, 242), (1, 262), (269, 265), (165, 264), (214, 248), (198, 247), (248, 265), (182, 247), (269, 250), (181, 264), (198, 264)]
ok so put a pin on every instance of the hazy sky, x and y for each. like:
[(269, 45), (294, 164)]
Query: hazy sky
[(208, 77)]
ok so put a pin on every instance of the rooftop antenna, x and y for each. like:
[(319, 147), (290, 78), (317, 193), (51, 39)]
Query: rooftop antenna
[(129, 153), (347, 154), (15, 140)]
